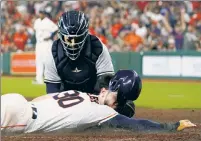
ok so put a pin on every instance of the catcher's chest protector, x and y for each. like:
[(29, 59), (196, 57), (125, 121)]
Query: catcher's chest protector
[(79, 74)]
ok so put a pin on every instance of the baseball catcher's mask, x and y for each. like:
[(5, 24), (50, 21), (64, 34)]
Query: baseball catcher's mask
[(73, 31)]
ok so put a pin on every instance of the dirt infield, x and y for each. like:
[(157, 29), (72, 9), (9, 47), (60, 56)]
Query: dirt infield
[(193, 134)]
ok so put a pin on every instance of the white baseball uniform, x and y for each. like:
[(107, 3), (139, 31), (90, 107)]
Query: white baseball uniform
[(68, 111), (43, 29)]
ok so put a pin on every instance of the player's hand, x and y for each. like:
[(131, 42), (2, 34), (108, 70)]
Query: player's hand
[(185, 124)]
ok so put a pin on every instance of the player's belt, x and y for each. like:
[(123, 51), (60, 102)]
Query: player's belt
[(35, 113)]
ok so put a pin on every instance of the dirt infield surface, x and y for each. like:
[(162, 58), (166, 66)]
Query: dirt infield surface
[(191, 134)]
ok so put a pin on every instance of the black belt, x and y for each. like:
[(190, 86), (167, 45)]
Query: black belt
[(35, 113)]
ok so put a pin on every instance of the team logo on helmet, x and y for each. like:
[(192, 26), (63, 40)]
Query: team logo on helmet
[(127, 83), (70, 42)]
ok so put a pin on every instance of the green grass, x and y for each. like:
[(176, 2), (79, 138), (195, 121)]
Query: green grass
[(170, 95), (21, 85), (161, 95)]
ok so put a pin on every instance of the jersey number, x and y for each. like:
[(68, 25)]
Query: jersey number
[(66, 97)]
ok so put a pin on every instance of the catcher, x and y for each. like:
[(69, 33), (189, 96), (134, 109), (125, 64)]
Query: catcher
[(72, 111)]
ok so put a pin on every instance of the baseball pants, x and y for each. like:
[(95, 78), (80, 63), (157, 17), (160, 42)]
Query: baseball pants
[(41, 50), (15, 114)]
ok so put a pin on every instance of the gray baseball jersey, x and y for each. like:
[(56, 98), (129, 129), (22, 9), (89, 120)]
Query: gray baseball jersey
[(103, 65)]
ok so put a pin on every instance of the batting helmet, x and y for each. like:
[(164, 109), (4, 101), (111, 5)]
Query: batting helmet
[(128, 85), (73, 31)]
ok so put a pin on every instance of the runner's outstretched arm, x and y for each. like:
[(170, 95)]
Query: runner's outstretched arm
[(121, 121)]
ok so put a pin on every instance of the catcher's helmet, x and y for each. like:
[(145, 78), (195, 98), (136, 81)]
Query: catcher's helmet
[(73, 31), (128, 85)]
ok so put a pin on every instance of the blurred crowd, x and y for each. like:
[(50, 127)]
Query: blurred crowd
[(121, 25)]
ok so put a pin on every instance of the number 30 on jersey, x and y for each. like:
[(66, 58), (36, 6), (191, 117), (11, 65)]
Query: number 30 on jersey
[(68, 99)]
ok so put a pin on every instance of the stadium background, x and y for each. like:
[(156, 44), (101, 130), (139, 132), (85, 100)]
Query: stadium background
[(160, 40)]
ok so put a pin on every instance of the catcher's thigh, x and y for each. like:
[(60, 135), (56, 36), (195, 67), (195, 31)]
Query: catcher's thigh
[(15, 113)]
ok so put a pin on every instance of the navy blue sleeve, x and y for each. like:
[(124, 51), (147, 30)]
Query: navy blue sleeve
[(52, 87), (124, 122)]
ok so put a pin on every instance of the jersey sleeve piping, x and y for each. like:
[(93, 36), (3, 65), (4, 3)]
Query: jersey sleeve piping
[(106, 72), (51, 81), (107, 118)]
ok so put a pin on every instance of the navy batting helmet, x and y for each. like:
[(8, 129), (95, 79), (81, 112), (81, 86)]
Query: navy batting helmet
[(128, 85), (73, 31)]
